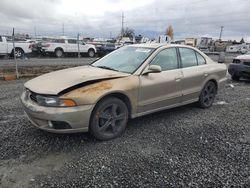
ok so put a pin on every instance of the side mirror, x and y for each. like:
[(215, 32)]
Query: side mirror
[(221, 57), (152, 69)]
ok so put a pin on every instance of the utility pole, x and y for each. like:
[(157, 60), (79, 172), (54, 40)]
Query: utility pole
[(63, 29), (221, 30), (78, 45), (122, 31), (35, 31), (110, 34), (14, 51)]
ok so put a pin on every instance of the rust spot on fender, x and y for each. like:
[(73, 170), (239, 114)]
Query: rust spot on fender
[(90, 89), (96, 87)]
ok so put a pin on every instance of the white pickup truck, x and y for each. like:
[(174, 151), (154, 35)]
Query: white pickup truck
[(59, 47), (21, 48)]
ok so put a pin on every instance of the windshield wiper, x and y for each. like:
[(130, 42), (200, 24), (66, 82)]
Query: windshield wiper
[(105, 67)]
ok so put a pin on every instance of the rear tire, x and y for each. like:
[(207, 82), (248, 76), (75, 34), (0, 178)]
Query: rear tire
[(18, 52), (235, 77), (58, 53), (109, 119), (207, 95), (91, 53)]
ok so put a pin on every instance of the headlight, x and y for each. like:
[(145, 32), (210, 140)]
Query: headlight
[(54, 101), (237, 61)]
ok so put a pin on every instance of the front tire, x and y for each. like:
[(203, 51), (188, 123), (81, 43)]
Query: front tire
[(59, 53), (235, 77), (91, 53), (207, 95), (109, 119)]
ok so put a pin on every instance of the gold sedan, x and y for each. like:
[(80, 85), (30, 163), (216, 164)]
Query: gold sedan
[(132, 81)]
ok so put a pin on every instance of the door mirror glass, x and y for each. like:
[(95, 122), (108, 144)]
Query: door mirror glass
[(152, 69)]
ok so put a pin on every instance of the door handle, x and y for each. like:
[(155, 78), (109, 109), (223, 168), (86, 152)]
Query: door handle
[(177, 79)]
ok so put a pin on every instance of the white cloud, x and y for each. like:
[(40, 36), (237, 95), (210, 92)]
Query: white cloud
[(98, 7), (100, 17)]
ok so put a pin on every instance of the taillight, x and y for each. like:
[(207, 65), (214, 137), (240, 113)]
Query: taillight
[(30, 46)]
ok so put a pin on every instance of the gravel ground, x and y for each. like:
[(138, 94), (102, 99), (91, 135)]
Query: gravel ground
[(46, 62), (181, 147)]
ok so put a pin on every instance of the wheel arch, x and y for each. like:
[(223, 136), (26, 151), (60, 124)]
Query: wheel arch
[(58, 48), (214, 81), (91, 49), (123, 97), (16, 48)]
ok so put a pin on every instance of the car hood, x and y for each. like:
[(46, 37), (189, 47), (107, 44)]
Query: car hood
[(55, 82), (243, 57)]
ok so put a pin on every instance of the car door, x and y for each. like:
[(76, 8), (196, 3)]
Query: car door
[(72, 46), (83, 47), (161, 90), (195, 71), (3, 46)]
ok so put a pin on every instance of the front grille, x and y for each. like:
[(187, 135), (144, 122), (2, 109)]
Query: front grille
[(246, 73), (247, 63)]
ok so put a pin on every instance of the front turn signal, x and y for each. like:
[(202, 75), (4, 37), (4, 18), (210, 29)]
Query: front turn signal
[(68, 102)]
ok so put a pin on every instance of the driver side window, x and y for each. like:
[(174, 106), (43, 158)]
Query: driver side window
[(167, 59)]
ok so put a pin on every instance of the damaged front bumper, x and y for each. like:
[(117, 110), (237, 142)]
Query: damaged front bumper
[(58, 119)]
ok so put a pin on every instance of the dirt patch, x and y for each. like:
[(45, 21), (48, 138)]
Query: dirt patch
[(31, 71), (90, 89), (16, 174), (96, 88)]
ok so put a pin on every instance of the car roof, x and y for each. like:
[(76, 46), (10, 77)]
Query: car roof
[(157, 45)]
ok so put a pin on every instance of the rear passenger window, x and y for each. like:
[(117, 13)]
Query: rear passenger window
[(188, 57), (200, 59), (58, 41), (71, 41), (110, 45), (167, 59)]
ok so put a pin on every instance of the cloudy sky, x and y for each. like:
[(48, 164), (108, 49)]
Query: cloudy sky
[(102, 18)]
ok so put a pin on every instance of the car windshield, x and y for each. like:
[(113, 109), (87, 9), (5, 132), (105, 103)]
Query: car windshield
[(126, 59)]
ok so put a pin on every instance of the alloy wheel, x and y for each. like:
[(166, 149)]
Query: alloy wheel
[(109, 119), (208, 94)]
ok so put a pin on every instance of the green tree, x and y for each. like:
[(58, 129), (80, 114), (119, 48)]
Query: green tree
[(170, 32), (128, 32)]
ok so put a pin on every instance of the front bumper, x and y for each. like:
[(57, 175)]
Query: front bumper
[(239, 69), (43, 117)]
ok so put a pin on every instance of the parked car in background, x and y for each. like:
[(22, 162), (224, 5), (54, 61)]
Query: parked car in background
[(21, 48), (132, 81), (191, 42), (104, 49), (62, 46), (240, 67)]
